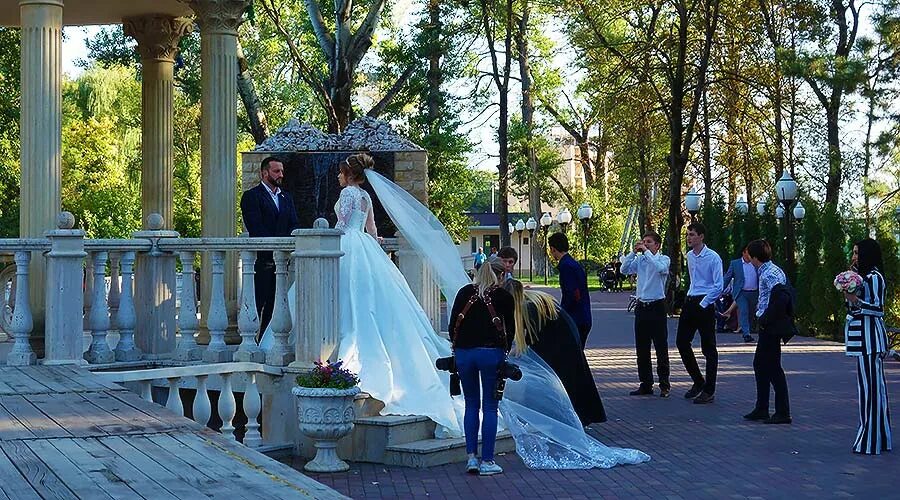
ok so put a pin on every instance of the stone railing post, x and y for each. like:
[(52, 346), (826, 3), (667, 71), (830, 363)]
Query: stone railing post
[(22, 322), (317, 255), (115, 290), (248, 319), (420, 281), (154, 301), (217, 315), (188, 324), (64, 341), (280, 353), (124, 315), (99, 351)]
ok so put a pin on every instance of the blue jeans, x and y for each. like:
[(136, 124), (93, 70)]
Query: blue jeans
[(472, 364), (747, 301)]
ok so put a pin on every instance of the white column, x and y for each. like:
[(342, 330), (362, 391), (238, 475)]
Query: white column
[(157, 37), (219, 21), (40, 136), (317, 255), (419, 278), (64, 314)]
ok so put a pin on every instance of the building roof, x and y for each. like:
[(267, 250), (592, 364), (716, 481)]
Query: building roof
[(86, 12)]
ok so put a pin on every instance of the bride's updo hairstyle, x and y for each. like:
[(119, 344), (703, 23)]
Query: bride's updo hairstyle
[(354, 167)]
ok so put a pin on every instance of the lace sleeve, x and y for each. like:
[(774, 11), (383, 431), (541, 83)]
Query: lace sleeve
[(344, 209), (366, 203)]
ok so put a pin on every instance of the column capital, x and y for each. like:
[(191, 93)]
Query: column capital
[(157, 35), (219, 16)]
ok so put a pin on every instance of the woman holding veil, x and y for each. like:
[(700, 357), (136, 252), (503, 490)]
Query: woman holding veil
[(387, 338)]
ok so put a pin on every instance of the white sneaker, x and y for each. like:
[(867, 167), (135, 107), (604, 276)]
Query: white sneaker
[(489, 469), (472, 465)]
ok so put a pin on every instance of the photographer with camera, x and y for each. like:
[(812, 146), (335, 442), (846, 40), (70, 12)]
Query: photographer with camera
[(483, 325)]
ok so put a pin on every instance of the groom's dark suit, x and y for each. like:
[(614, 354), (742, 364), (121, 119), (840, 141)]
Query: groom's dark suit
[(263, 219)]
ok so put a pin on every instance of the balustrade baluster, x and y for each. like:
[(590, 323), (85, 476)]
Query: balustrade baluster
[(187, 349), (22, 322), (248, 319), (174, 401), (217, 318), (280, 354), (146, 393), (227, 406), (202, 407), (125, 315), (252, 406), (115, 293), (88, 289), (99, 351)]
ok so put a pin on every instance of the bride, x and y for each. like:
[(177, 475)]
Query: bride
[(386, 337)]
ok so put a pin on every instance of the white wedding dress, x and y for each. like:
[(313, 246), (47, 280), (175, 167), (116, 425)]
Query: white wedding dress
[(387, 338)]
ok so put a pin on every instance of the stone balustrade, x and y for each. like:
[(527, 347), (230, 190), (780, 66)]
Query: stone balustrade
[(201, 408)]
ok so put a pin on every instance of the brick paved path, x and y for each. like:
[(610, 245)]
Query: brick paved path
[(697, 451)]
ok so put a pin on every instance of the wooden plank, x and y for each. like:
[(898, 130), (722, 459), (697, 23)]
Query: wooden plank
[(76, 480), (139, 420), (268, 477), (68, 411), (156, 411), (4, 387), (134, 477), (61, 379), (171, 482), (37, 422), (41, 478), (99, 473), (48, 378), (12, 483), (90, 381), (198, 475), (22, 383), (11, 428)]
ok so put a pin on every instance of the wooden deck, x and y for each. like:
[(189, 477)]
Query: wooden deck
[(66, 433)]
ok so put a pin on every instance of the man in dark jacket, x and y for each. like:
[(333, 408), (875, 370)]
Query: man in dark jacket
[(573, 283), (267, 212), (775, 312)]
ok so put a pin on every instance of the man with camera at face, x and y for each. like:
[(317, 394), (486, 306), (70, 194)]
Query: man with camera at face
[(482, 330)]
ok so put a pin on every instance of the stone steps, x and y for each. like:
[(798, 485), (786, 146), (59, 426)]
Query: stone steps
[(432, 452)]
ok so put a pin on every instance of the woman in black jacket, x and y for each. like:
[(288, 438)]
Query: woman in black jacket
[(483, 325), (553, 335)]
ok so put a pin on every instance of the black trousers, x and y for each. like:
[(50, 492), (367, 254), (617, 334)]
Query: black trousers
[(264, 284), (583, 331), (698, 319), (650, 327), (768, 371)]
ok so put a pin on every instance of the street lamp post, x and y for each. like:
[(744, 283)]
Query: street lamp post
[(585, 211), (546, 220), (520, 226), (761, 207), (564, 217), (531, 225), (692, 202), (786, 191)]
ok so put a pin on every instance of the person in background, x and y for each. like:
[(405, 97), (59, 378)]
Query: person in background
[(866, 339), (699, 314), (775, 312), (480, 257), (508, 256), (650, 320), (576, 300), (741, 282)]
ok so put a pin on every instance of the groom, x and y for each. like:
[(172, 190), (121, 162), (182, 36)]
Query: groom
[(268, 212)]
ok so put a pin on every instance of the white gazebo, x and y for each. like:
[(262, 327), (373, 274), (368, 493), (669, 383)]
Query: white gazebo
[(157, 25)]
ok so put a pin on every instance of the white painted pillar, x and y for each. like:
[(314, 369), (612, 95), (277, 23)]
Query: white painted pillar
[(65, 305), (219, 21), (40, 136), (317, 317), (157, 37)]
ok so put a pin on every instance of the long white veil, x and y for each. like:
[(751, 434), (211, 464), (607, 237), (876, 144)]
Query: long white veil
[(536, 409)]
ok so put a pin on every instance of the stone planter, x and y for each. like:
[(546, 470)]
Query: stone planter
[(325, 415)]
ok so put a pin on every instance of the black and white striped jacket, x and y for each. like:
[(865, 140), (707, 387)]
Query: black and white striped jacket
[(864, 332)]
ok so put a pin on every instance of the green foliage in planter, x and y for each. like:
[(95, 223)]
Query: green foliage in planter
[(328, 376)]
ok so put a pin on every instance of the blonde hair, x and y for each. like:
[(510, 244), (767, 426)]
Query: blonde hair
[(525, 333), (485, 278)]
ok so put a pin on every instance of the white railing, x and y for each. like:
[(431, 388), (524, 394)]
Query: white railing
[(201, 408)]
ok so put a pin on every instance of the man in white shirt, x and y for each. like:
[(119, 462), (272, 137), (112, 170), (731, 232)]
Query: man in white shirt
[(699, 314), (652, 269)]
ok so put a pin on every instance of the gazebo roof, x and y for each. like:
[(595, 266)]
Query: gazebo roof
[(85, 12)]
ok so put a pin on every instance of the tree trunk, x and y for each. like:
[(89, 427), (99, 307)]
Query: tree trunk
[(534, 189), (707, 155), (833, 184), (259, 126)]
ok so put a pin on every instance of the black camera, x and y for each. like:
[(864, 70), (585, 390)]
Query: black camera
[(505, 370), (448, 364)]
